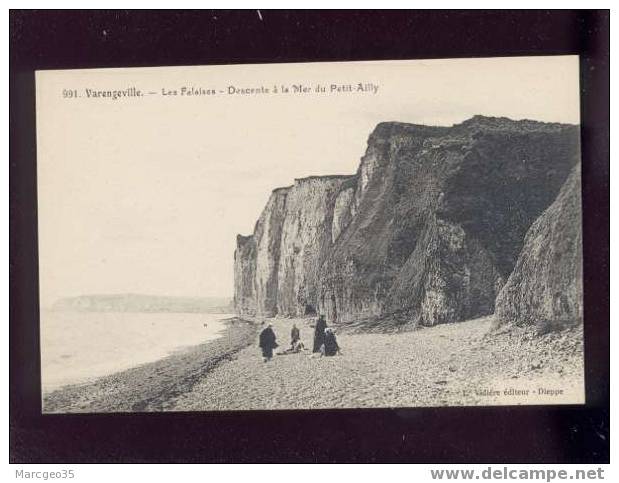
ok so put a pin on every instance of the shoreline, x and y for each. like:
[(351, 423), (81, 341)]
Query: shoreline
[(152, 386)]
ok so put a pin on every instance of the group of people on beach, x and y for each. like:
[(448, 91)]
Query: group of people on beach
[(325, 341)]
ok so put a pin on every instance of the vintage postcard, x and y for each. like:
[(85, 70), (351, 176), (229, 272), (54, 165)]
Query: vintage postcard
[(310, 236)]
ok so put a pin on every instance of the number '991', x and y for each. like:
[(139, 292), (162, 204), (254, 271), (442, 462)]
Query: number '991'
[(69, 93)]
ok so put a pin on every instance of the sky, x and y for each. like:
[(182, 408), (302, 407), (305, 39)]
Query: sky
[(147, 194)]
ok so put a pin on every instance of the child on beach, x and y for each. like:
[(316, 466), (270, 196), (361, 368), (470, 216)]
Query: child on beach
[(295, 335)]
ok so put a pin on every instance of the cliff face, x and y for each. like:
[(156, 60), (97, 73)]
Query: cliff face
[(426, 232), (245, 302), (545, 288), (306, 241), (256, 260), (277, 267)]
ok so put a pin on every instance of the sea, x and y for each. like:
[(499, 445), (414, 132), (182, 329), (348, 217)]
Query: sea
[(77, 347)]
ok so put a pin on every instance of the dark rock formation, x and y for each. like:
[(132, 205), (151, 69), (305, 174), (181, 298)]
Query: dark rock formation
[(426, 232), (545, 288)]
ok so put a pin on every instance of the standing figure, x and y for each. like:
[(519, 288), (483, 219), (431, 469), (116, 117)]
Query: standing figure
[(267, 342), (295, 335), (319, 333)]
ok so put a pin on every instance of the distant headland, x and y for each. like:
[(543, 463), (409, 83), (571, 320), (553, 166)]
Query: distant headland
[(144, 303)]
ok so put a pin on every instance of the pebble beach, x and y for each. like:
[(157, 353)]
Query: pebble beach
[(457, 364)]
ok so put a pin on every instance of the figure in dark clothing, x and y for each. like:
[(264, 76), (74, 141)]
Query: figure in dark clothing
[(295, 335), (331, 347), (319, 333), (267, 343)]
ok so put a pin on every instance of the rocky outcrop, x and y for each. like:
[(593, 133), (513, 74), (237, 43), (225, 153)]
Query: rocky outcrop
[(426, 232), (545, 288), (343, 211)]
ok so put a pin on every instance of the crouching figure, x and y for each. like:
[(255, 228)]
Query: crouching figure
[(330, 346)]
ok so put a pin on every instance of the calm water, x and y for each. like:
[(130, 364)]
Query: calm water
[(77, 347)]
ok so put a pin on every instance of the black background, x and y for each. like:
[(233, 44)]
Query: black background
[(75, 39)]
